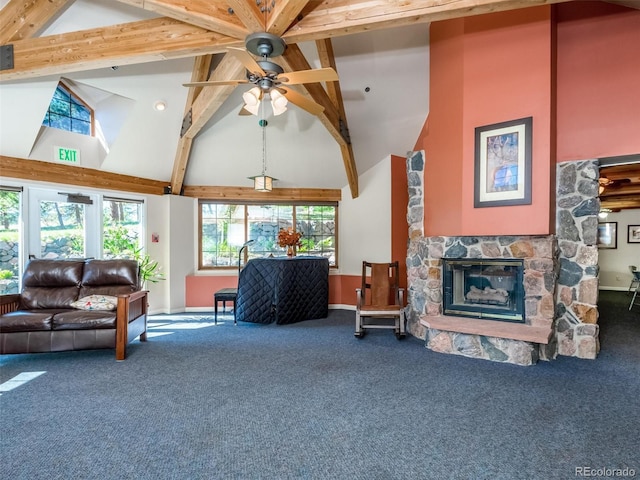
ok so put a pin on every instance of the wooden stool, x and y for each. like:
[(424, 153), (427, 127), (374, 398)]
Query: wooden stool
[(225, 295)]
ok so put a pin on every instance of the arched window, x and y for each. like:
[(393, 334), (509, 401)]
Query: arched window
[(68, 112)]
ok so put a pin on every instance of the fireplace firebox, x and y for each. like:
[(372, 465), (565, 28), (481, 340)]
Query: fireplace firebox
[(487, 289)]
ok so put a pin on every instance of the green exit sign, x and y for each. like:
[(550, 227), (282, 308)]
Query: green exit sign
[(66, 155)]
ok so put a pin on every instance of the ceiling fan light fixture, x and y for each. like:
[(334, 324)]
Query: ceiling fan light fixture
[(278, 102), (252, 96)]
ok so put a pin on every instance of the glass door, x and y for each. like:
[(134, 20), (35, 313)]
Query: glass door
[(63, 225)]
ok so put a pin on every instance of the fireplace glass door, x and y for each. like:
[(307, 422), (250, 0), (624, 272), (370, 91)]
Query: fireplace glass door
[(489, 289)]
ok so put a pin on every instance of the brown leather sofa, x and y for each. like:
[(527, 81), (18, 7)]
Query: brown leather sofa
[(42, 318)]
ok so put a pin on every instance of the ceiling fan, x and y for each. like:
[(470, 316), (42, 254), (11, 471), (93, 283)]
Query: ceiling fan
[(269, 78), (605, 183)]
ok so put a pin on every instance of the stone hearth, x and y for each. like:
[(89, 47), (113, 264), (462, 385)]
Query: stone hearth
[(560, 278)]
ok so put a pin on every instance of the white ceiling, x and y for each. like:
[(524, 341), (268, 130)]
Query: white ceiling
[(393, 64)]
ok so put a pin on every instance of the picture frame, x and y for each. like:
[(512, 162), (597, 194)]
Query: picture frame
[(503, 164), (608, 235), (633, 234)]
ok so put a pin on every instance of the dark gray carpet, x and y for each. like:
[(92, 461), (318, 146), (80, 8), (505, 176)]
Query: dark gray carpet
[(310, 401)]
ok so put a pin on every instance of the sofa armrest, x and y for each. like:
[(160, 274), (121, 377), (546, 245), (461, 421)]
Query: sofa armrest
[(9, 303), (131, 320)]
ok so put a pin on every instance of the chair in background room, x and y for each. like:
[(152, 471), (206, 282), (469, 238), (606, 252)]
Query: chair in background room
[(225, 295), (634, 285), (635, 278), (380, 297)]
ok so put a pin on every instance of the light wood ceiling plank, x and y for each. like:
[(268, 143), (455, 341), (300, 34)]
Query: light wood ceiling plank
[(248, 194), (293, 60), (208, 14), (211, 99), (38, 171), (283, 15), (327, 59), (124, 44), (21, 19), (249, 14), (180, 164), (346, 17), (200, 72)]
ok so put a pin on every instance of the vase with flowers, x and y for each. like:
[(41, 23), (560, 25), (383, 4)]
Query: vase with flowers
[(289, 238)]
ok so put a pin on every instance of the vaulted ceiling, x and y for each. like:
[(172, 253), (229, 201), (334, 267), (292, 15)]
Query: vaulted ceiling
[(373, 44)]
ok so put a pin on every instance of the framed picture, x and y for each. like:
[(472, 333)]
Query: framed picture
[(633, 234), (608, 235), (503, 164)]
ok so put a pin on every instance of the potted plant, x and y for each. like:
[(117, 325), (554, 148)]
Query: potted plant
[(149, 269)]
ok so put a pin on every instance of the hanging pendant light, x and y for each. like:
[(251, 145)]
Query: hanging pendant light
[(263, 182)]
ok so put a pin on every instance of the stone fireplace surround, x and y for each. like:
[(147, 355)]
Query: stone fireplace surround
[(560, 278)]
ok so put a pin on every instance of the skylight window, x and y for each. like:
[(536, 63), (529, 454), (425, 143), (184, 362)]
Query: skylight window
[(68, 112)]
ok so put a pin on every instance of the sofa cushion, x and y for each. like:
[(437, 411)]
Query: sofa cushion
[(111, 272), (96, 302), (51, 283), (84, 320), (34, 298), (26, 321)]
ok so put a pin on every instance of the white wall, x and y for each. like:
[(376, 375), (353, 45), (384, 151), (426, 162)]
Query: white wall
[(614, 263), (365, 222)]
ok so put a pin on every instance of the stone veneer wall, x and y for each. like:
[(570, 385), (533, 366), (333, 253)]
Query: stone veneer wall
[(560, 274), (577, 231)]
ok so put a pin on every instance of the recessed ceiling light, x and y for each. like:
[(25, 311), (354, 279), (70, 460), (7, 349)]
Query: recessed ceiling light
[(160, 105)]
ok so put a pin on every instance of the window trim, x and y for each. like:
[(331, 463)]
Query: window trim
[(72, 94), (248, 203)]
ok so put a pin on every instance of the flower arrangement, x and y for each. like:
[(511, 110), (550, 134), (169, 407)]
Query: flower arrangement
[(289, 237)]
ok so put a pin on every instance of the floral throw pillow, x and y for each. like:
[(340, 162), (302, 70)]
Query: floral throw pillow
[(96, 302)]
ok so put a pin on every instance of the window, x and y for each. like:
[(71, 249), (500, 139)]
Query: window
[(10, 239), (68, 112), (122, 227), (224, 228)]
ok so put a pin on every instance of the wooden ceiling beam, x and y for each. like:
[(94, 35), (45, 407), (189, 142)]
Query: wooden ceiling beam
[(346, 17), (212, 15), (294, 60), (248, 12), (211, 99), (620, 202), (200, 72), (164, 38), (38, 171), (284, 13), (124, 44), (248, 194), (327, 59), (22, 19)]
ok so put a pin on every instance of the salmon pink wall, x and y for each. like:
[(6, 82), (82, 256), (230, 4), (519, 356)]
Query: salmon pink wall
[(399, 225), (200, 289), (441, 136), (598, 81), (488, 69)]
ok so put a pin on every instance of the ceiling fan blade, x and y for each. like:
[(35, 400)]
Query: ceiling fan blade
[(302, 101), (247, 60), (214, 83), (309, 76), (243, 111)]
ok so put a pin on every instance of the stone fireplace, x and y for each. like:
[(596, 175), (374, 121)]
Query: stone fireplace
[(558, 279), (485, 289)]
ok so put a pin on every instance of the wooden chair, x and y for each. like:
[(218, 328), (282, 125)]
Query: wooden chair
[(380, 298)]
